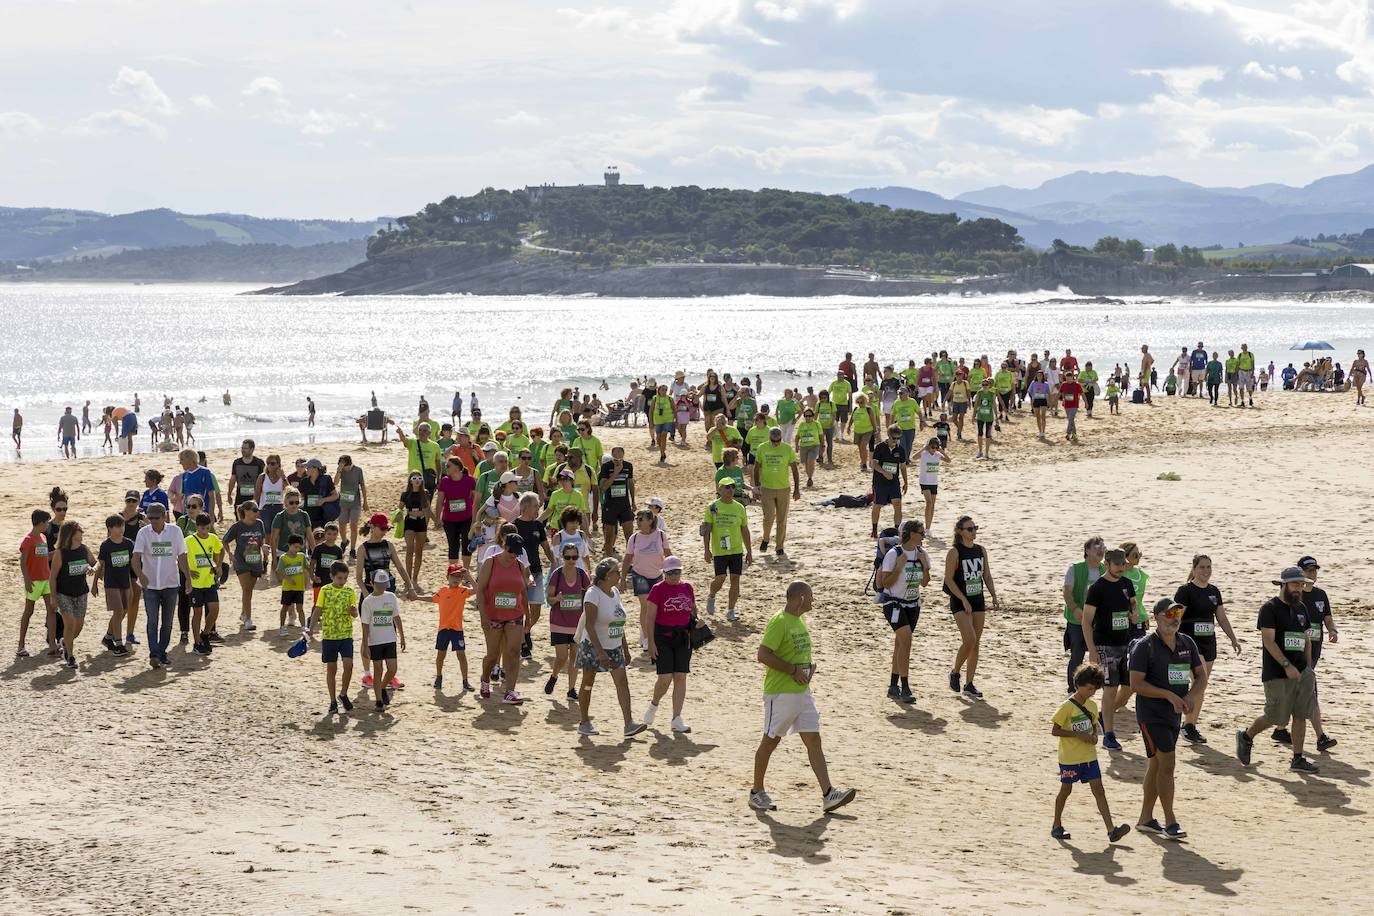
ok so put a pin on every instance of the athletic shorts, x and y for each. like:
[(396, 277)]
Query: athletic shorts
[(450, 640), (786, 713), (331, 650), (1113, 660), (731, 563), (534, 594), (1206, 647), (418, 525), (902, 614), (292, 596), (1284, 698), (975, 601), (958, 407), (1070, 773), (674, 648), (560, 639), (587, 660), (665, 427), (811, 453), (931, 488), (382, 652), (617, 514), (985, 428), (1159, 738), (39, 588), (201, 597), (118, 599), (924, 392), (350, 512), (642, 585), (886, 492), (1316, 651), (74, 605), (1245, 379), (1039, 403), (842, 413), (68, 440)]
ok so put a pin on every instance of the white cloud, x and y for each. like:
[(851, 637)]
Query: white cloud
[(519, 118), (839, 99), (264, 85), (1259, 71), (15, 125), (140, 86), (203, 103), (118, 121)]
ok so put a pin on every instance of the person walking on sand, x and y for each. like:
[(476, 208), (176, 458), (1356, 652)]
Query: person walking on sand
[(1359, 374), (1075, 725), (1107, 610), (904, 572), (1162, 665), (772, 462), (602, 648), (1203, 609), (928, 462), (1077, 579), (968, 577), (889, 478), (1290, 683), (788, 704), (17, 430), (728, 548), (160, 566)]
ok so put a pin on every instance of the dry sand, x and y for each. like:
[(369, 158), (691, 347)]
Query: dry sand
[(222, 787)]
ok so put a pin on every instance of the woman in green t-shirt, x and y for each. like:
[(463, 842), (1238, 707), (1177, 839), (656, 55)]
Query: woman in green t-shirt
[(863, 422), (787, 409)]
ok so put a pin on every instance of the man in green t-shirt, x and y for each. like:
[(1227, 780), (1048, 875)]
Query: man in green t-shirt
[(725, 537), (664, 420), (422, 455), (985, 412), (906, 410), (787, 702), (841, 395), (772, 461)]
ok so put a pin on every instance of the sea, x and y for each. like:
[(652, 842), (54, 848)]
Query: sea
[(106, 342)]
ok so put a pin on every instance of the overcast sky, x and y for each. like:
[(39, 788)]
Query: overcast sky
[(345, 108)]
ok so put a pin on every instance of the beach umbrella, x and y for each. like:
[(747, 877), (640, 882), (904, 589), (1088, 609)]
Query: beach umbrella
[(1312, 345)]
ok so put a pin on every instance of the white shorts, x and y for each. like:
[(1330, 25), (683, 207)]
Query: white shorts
[(925, 392), (785, 713), (1245, 379), (887, 404)]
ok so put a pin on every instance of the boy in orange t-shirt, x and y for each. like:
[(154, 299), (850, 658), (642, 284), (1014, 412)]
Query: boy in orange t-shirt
[(451, 600)]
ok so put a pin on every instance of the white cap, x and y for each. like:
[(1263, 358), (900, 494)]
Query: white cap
[(656, 502), (382, 576)]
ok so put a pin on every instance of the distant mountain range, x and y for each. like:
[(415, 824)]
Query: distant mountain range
[(1084, 206), (42, 233)]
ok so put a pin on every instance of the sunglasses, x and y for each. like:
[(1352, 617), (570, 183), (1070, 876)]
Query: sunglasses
[(293, 502), (969, 528), (672, 572), (1174, 613), (59, 508)]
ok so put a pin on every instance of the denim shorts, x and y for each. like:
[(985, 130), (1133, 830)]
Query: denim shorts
[(641, 584)]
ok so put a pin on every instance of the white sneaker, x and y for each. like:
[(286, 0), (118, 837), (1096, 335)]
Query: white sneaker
[(760, 801), (644, 643), (634, 728), (587, 729), (249, 625), (710, 607), (649, 712), (838, 798), (282, 631), (680, 726), (731, 615)]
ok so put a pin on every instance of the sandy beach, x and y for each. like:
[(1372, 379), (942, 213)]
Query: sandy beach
[(221, 785)]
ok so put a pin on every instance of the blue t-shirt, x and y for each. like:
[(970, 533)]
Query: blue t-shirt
[(1289, 374), (199, 482), (154, 496), (1198, 359)]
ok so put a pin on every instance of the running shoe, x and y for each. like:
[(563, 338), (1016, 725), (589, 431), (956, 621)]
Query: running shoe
[(1115, 834), (954, 681), (1244, 745), (131, 639), (347, 703), (680, 725), (71, 663), (1281, 736), (512, 698), (711, 606), (1174, 832), (199, 649), (760, 801), (438, 682), (649, 712), (467, 686), (763, 546), (838, 798), (213, 636), (894, 692), (907, 696), (185, 636), (634, 728), (367, 680), (731, 615), (1150, 826), (587, 729), (166, 662), (497, 673), (121, 649), (1192, 735), (971, 691), (549, 685), (249, 625), (1325, 743), (1110, 743), (485, 692), (386, 697), (282, 632), (1300, 763), (781, 553), (154, 662), (378, 706), (333, 708), (396, 684), (108, 642), (572, 694), (1059, 833)]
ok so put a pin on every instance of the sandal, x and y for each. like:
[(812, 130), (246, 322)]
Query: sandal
[(21, 652)]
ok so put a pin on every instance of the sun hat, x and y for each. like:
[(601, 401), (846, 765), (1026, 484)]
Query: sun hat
[(509, 477), (672, 564), (489, 446), (1291, 574), (656, 502)]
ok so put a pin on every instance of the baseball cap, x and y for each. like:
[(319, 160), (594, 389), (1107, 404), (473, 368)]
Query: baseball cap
[(379, 520), (489, 446), (509, 477), (1304, 563), (656, 502), (134, 496), (382, 576), (566, 474), (155, 510), (1164, 604), (1290, 574), (455, 568), (315, 463), (671, 564)]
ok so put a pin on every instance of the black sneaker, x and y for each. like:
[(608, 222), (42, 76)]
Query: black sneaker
[(1150, 826), (108, 642), (894, 693), (572, 694), (549, 685), (971, 691), (185, 637), (1059, 833), (1116, 833), (386, 697), (467, 686), (166, 662), (954, 681), (1244, 745), (214, 637), (1194, 736), (1325, 743), (347, 703), (1281, 736), (378, 706), (1174, 832), (1300, 763), (71, 661), (907, 696), (199, 649), (333, 708), (763, 545), (438, 682), (781, 553), (119, 649)]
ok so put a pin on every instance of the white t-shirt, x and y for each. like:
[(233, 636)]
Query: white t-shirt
[(928, 467), (610, 616), (159, 551), (908, 585), (379, 613)]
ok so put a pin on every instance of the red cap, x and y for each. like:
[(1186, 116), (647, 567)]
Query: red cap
[(456, 568), (379, 520)]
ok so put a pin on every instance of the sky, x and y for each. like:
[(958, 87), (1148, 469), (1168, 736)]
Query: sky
[(307, 108)]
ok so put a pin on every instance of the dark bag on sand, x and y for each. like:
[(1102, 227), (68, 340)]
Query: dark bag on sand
[(1138, 396), (699, 635)]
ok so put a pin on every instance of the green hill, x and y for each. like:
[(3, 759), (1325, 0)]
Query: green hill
[(217, 261)]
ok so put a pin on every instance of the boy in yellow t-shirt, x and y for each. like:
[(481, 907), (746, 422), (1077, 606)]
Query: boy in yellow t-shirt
[(1075, 725), (291, 566)]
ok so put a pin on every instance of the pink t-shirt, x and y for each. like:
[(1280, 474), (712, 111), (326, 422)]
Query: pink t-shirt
[(456, 501), (674, 603), (647, 552)]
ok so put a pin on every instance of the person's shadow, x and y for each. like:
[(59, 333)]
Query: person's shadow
[(983, 714), (604, 757), (1102, 864), (917, 719), (1184, 866), (803, 843), (677, 748)]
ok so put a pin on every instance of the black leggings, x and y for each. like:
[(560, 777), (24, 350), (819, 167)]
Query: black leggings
[(1089, 395), (183, 605), (457, 534), (1214, 391)]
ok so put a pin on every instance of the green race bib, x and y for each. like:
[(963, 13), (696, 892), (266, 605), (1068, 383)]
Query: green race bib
[(506, 601), (1178, 674), (1293, 642)]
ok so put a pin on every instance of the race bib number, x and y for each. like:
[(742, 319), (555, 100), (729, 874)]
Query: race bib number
[(77, 567), (1314, 633), (457, 505), (252, 555), (506, 601), (618, 492), (1081, 725), (808, 440), (725, 542), (570, 602), (271, 498), (202, 561), (914, 574), (616, 628), (294, 569), (1293, 642), (973, 587), (932, 466), (1121, 620), (348, 497), (312, 501), (1178, 674), (119, 560), (246, 489), (161, 548), (1204, 628), (890, 467)]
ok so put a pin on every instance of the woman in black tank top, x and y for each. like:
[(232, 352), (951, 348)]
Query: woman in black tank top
[(71, 564), (968, 582)]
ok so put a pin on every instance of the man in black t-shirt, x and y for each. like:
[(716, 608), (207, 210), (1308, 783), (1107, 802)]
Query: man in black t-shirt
[(1290, 685), (1319, 626), (1162, 665), (245, 471), (889, 461), (1107, 608), (617, 486)]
